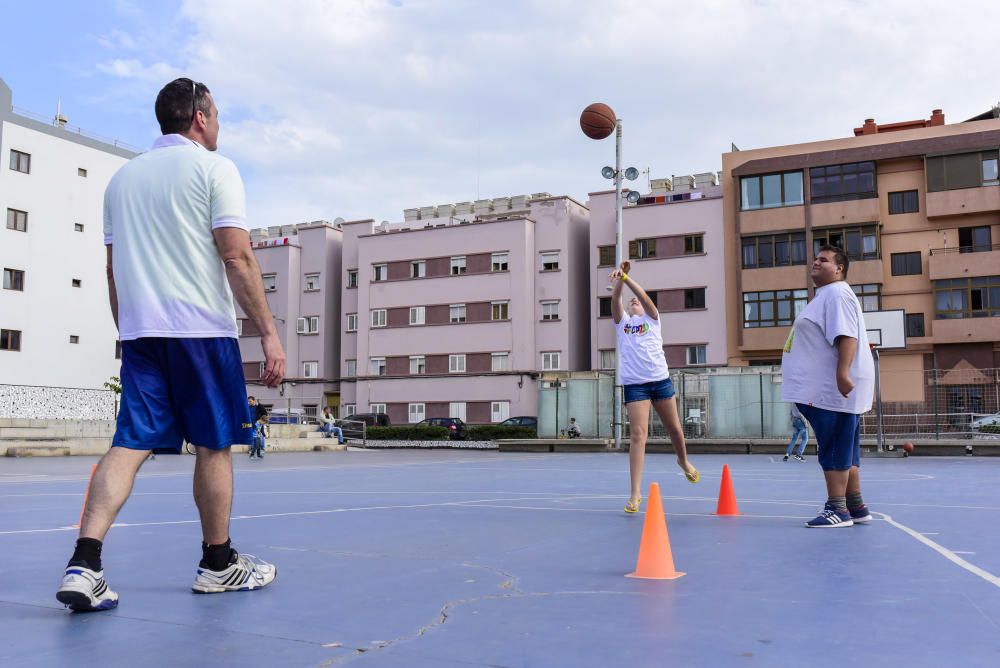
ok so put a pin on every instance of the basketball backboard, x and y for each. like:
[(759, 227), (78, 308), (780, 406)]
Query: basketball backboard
[(886, 329)]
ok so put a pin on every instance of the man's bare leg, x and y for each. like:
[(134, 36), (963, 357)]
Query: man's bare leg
[(109, 489), (213, 493)]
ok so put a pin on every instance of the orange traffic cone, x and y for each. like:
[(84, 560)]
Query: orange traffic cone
[(656, 561), (727, 497), (86, 496)]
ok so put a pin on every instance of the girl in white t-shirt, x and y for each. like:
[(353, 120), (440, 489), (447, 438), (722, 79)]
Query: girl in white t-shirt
[(645, 378)]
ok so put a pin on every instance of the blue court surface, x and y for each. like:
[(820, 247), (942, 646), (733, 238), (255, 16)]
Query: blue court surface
[(459, 558)]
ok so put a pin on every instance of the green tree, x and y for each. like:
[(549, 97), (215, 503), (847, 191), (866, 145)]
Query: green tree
[(114, 383)]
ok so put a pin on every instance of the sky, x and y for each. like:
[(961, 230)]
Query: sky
[(362, 108)]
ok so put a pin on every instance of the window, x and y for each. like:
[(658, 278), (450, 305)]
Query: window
[(76, 283), (309, 409), (500, 310), (418, 269), (380, 272), (605, 256), (307, 325), (78, 227), (378, 317), (498, 262), (418, 365), (608, 359), (350, 368), (775, 308), (310, 369), (641, 248), (73, 338), (774, 250), (550, 310), (696, 355), (604, 307), (771, 190), (962, 170), (974, 239), (499, 411), (239, 327), (859, 242), (417, 412), (500, 362), (376, 408), (870, 296), (13, 279), (10, 339), (456, 363), (20, 162), (352, 322), (312, 282), (906, 264), (118, 350), (458, 265), (694, 298), (694, 244), (352, 278), (456, 313), (838, 183), (417, 315), (904, 201), (914, 324), (456, 409), (270, 282), (350, 409), (80, 171), (967, 297), (377, 368), (550, 361), (17, 220), (550, 261)]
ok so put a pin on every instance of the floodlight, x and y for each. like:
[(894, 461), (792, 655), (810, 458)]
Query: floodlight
[(631, 173), (633, 196), (608, 172)]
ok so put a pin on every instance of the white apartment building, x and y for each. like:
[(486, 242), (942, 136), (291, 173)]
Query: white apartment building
[(56, 328)]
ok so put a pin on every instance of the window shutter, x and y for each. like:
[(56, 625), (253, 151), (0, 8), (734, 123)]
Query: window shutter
[(633, 249), (300, 325), (651, 247), (314, 323)]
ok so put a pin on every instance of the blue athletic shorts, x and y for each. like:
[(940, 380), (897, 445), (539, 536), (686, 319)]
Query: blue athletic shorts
[(654, 391), (838, 437), (182, 389)]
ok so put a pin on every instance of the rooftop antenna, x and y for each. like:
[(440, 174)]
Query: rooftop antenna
[(649, 184)]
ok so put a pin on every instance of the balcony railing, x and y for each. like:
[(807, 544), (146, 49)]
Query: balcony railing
[(978, 248)]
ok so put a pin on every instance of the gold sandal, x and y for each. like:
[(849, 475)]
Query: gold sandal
[(692, 477), (631, 507)]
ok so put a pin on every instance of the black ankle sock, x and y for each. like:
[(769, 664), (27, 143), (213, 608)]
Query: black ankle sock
[(216, 557), (87, 554)]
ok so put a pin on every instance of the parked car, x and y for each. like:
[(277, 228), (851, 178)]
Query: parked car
[(986, 421), (352, 429), (521, 421), (454, 425)]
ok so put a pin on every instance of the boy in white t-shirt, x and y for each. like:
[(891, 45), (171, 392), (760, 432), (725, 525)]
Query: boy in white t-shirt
[(828, 372), (645, 378)]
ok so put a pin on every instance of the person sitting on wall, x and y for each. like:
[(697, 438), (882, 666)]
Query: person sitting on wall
[(573, 430), (328, 425)]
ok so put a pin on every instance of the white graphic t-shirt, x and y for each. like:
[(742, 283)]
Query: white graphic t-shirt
[(641, 347), (159, 212), (809, 362)]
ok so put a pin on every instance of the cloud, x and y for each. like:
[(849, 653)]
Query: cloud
[(134, 69)]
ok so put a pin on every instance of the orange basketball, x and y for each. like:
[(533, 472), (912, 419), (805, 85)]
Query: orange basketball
[(908, 447), (598, 121)]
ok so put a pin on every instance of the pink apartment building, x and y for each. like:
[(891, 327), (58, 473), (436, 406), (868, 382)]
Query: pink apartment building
[(456, 311), (676, 245), (300, 267)]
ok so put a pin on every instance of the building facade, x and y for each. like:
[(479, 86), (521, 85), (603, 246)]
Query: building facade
[(300, 268), (56, 328), (916, 206), (456, 311), (674, 238)]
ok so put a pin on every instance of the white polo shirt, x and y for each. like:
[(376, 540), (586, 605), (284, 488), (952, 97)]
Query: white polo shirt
[(159, 212), (809, 362)]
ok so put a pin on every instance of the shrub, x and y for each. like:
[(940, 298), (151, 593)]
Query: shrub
[(493, 432), (990, 429), (408, 433)]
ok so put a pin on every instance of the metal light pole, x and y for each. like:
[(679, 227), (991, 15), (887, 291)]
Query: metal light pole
[(618, 262)]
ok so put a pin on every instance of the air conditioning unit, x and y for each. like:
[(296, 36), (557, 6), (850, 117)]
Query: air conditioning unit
[(410, 215)]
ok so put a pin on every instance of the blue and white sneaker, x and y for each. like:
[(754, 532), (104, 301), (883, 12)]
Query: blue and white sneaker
[(830, 518), (861, 515), (245, 573), (84, 590)]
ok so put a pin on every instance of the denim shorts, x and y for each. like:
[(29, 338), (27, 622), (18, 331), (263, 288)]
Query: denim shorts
[(653, 391), (838, 437)]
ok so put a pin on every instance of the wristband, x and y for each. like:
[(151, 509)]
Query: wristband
[(624, 276)]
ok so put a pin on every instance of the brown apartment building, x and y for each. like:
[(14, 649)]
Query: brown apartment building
[(916, 205)]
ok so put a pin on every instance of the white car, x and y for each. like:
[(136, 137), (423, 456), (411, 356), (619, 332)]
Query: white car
[(986, 421)]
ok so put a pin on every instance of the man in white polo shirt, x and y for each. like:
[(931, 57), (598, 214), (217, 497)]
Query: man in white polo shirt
[(175, 218), (828, 372)]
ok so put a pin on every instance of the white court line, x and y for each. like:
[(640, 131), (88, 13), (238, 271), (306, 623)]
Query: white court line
[(943, 551), (959, 552)]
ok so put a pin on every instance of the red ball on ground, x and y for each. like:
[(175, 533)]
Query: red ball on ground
[(908, 447), (598, 121)]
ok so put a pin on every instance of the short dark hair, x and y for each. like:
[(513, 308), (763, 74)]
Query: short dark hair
[(839, 256), (177, 103), (251, 397)]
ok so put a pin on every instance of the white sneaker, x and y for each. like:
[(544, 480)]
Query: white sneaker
[(245, 573), (84, 590)]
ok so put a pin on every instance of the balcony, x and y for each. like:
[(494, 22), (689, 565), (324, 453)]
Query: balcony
[(965, 330), (847, 212), (963, 262), (963, 201), (865, 271), (759, 221), (764, 339)]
